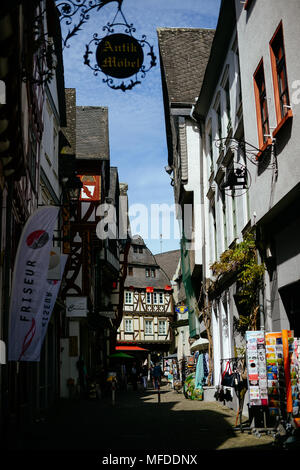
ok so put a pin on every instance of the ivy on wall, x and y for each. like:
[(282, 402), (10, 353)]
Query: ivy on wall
[(242, 260)]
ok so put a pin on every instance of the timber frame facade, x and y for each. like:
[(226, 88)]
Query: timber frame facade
[(148, 302)]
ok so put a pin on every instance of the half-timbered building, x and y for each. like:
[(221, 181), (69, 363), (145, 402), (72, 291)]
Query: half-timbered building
[(148, 303)]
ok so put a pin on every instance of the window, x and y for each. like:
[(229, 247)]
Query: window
[(130, 271), (158, 298), (223, 199), (128, 297), (128, 323), (281, 91), (210, 152), (152, 272), (140, 249), (162, 327), (239, 77), (148, 327), (213, 229), (219, 120), (228, 109), (261, 105), (135, 249), (148, 298), (147, 272)]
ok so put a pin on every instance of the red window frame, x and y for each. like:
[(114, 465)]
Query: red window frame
[(262, 113), (280, 80)]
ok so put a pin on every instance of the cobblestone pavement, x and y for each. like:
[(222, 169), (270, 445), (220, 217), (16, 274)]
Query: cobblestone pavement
[(139, 422)]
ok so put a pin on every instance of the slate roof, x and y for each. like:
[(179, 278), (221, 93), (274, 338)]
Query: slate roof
[(70, 129), (168, 261), (92, 140), (184, 53), (141, 261)]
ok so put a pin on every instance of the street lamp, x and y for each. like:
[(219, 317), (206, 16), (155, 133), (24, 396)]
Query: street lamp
[(73, 187)]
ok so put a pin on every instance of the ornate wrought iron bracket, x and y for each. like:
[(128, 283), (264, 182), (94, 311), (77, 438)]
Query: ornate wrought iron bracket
[(128, 59), (238, 178), (251, 152), (43, 54)]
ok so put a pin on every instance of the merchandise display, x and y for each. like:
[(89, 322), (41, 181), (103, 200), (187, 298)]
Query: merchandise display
[(190, 389), (273, 362), (257, 368), (295, 376)]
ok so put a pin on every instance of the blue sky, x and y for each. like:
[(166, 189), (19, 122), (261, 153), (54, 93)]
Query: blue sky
[(136, 117)]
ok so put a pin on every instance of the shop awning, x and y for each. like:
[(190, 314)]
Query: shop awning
[(200, 344), (130, 348)]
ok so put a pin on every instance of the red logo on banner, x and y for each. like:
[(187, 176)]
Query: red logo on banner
[(37, 239)]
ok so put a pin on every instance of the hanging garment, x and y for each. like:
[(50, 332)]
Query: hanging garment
[(205, 367), (199, 378)]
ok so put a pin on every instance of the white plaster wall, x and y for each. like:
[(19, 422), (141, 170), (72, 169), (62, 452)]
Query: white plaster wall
[(193, 150), (49, 147), (254, 34)]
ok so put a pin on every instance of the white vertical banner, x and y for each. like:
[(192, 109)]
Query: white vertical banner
[(50, 293), (28, 285)]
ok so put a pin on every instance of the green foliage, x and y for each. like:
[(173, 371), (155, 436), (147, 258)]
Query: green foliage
[(242, 259)]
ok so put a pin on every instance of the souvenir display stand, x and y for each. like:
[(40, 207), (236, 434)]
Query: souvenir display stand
[(171, 369), (273, 380), (257, 381)]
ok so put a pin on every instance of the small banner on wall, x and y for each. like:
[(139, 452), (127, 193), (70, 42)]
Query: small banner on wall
[(29, 284), (51, 290)]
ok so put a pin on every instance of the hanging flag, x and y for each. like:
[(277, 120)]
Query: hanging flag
[(50, 293), (29, 279)]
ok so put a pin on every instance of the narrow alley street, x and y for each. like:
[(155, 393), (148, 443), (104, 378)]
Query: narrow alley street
[(137, 423)]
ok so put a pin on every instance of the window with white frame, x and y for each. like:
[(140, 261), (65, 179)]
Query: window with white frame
[(128, 325), (128, 297), (148, 298), (162, 327), (158, 298), (148, 327)]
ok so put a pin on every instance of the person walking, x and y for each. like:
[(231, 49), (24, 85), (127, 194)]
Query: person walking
[(134, 376), (145, 376), (157, 375)]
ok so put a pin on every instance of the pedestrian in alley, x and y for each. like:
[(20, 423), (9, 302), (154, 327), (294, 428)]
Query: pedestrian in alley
[(145, 376), (157, 375), (82, 376), (134, 376)]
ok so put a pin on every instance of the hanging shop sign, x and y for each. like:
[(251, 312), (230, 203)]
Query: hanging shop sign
[(76, 306), (28, 285), (91, 188), (181, 309), (119, 55)]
